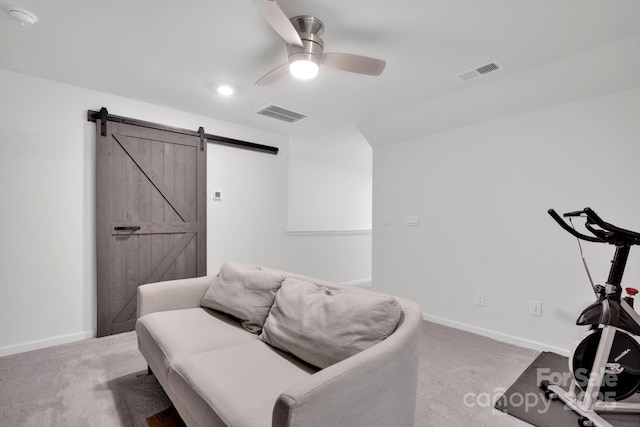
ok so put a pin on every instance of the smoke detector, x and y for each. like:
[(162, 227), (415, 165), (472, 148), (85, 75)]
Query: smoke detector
[(22, 16)]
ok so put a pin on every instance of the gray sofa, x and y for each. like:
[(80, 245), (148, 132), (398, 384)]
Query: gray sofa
[(259, 347)]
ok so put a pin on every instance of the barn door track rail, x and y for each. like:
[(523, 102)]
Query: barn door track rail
[(104, 116)]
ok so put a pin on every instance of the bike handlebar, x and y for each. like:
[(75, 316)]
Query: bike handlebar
[(571, 230), (574, 213), (607, 233)]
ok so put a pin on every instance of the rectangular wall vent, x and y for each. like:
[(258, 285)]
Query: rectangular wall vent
[(479, 71), (281, 113)]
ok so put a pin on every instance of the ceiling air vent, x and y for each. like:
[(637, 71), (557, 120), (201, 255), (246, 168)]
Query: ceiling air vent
[(280, 113), (479, 71)]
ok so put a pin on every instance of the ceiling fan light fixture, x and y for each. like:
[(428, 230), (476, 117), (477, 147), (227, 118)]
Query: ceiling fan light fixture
[(303, 69), (305, 48)]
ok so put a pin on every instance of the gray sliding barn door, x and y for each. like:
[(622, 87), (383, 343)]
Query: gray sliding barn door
[(151, 215)]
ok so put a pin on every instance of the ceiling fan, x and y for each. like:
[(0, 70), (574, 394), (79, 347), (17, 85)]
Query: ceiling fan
[(305, 48)]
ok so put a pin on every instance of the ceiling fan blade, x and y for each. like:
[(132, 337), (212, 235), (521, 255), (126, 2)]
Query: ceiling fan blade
[(354, 63), (273, 75), (279, 21)]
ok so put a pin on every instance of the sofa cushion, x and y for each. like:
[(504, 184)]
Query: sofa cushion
[(168, 336), (237, 385), (244, 291), (323, 326)]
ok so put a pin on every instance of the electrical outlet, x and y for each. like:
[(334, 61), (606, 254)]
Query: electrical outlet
[(535, 308), (480, 298)]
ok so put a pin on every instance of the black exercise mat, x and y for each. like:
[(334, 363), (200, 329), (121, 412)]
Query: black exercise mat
[(525, 400)]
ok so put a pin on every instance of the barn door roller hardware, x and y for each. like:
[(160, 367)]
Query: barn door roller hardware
[(201, 133), (104, 116)]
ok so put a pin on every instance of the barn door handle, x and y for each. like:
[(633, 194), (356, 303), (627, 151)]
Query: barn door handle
[(134, 228)]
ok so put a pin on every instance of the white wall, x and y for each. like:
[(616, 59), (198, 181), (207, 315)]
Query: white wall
[(250, 222), (482, 193), (330, 202), (328, 197), (330, 185), (47, 224)]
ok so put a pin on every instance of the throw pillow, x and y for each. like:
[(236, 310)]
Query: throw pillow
[(323, 326), (245, 292)]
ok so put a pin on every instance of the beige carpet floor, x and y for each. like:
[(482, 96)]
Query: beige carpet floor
[(103, 382)]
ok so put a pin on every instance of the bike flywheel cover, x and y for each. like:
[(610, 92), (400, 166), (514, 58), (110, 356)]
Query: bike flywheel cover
[(625, 352)]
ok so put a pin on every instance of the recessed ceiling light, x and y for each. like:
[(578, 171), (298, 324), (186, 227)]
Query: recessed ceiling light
[(22, 16), (225, 90)]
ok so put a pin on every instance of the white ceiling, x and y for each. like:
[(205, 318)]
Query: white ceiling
[(173, 53)]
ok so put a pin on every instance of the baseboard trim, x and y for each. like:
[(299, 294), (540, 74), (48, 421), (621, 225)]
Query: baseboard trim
[(498, 336), (327, 232), (362, 283), (46, 342)]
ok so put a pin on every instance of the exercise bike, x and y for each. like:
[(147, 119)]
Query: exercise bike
[(605, 363)]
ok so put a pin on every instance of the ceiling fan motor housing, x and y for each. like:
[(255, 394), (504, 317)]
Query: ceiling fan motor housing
[(309, 29)]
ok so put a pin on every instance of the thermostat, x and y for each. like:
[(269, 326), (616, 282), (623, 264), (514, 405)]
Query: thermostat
[(216, 195)]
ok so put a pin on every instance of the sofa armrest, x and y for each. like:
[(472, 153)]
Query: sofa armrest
[(172, 294), (374, 387)]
